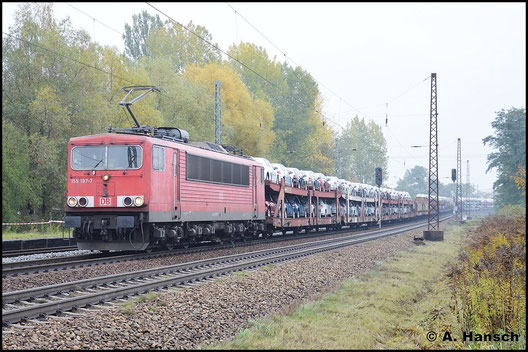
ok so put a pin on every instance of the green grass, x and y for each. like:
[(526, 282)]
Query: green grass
[(127, 308), (392, 307), (28, 235), (240, 274), (36, 231)]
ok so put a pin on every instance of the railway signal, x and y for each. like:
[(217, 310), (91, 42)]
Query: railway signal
[(379, 179), (453, 175)]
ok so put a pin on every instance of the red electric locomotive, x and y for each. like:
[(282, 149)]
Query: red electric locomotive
[(137, 188)]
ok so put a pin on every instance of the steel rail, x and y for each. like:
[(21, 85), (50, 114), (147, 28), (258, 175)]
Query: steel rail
[(63, 263), (177, 274)]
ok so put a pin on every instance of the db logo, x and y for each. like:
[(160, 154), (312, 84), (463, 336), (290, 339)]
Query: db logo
[(105, 202)]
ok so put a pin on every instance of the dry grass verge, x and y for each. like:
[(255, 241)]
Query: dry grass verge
[(393, 307)]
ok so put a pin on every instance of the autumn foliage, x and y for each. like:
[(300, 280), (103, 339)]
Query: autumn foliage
[(489, 281), (520, 179)]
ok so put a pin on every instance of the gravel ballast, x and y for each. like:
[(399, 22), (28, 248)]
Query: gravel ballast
[(23, 282), (23, 258), (212, 311)]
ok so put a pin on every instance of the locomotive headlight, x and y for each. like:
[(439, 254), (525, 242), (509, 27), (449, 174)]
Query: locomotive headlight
[(106, 177), (83, 202), (72, 201), (127, 201), (138, 201)]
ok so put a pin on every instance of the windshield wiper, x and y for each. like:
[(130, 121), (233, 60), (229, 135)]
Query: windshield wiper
[(100, 161)]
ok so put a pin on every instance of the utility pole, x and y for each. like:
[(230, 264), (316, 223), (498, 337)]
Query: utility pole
[(433, 232), (217, 114), (460, 203), (468, 192)]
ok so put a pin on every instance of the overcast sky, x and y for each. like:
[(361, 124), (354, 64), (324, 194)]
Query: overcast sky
[(365, 55)]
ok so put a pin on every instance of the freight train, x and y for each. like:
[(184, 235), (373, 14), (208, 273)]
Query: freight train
[(144, 187)]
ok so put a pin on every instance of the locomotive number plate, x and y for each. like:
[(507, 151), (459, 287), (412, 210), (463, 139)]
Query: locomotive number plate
[(105, 202), (82, 180)]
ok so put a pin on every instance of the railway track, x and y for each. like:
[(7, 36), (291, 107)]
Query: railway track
[(63, 263), (87, 260), (41, 301), (20, 252)]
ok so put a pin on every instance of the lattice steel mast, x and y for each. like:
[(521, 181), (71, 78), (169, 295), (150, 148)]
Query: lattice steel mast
[(458, 195), (217, 114), (468, 192), (433, 219)]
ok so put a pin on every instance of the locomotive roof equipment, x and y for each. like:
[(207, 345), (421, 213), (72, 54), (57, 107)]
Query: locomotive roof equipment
[(168, 133)]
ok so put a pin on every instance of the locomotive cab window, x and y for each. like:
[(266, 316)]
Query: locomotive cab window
[(216, 171), (109, 157), (158, 158)]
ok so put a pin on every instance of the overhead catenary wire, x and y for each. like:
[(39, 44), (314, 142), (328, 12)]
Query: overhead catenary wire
[(95, 19), (398, 96), (323, 116), (162, 94), (290, 59)]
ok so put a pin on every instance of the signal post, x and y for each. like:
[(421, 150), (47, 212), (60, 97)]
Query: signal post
[(380, 205)]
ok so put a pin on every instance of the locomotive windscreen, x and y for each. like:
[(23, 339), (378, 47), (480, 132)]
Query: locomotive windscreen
[(210, 170), (113, 157)]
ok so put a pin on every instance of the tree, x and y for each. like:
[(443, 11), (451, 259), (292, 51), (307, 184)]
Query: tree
[(255, 59), (18, 188), (246, 122), (135, 36), (360, 148), (520, 180), (182, 103), (301, 140), (183, 47), (510, 141), (415, 181), (318, 149), (48, 98), (296, 120)]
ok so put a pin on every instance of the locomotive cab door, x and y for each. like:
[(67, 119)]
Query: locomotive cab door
[(176, 186), (254, 193)]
